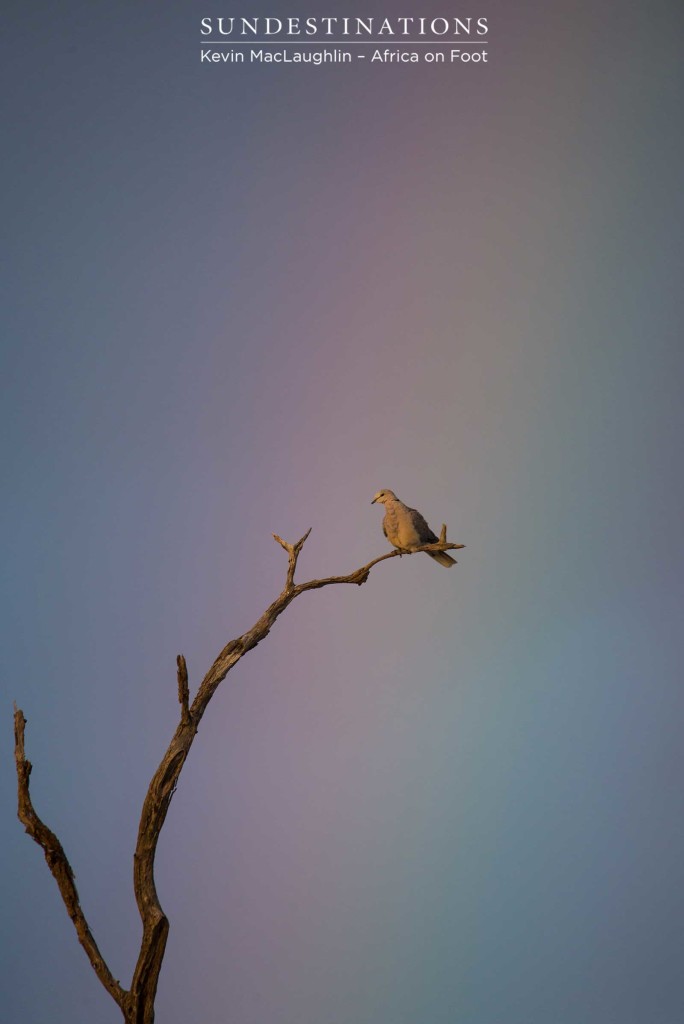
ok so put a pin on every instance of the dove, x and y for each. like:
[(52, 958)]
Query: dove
[(406, 529)]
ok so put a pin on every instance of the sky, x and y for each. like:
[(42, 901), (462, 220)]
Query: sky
[(240, 300)]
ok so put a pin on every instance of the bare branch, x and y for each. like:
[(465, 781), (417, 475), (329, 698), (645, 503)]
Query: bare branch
[(293, 551), (58, 864), (442, 534), (183, 693), (360, 576), (137, 1005)]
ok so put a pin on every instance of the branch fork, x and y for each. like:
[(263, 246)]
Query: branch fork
[(293, 552)]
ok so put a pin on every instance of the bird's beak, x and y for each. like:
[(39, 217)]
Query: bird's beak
[(373, 501)]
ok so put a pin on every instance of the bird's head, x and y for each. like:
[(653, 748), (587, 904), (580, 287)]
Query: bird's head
[(383, 497)]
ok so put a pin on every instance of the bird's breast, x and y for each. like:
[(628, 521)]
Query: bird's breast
[(400, 530)]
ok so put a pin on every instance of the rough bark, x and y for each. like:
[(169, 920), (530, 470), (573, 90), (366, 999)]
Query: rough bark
[(58, 864), (137, 1003)]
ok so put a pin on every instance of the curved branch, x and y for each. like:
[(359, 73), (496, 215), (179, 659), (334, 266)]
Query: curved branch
[(360, 576), (165, 779), (58, 864)]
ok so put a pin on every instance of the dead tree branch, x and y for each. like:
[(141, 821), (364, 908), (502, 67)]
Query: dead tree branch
[(137, 1004), (58, 863), (183, 692)]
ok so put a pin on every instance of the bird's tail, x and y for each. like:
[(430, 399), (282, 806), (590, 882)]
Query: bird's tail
[(442, 558)]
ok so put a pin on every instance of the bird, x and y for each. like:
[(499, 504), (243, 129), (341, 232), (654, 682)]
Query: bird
[(406, 529)]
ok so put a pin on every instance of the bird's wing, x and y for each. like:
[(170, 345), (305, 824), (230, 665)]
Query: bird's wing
[(421, 527)]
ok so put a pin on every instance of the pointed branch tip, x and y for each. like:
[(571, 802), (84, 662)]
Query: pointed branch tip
[(183, 691), (302, 540)]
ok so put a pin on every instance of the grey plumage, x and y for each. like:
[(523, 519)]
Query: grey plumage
[(406, 529)]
